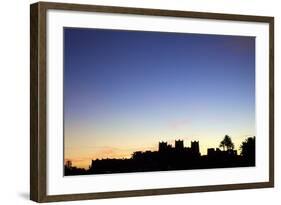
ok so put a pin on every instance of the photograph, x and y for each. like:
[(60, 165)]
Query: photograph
[(136, 101), (146, 101)]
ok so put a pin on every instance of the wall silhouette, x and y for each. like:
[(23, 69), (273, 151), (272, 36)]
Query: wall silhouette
[(172, 158)]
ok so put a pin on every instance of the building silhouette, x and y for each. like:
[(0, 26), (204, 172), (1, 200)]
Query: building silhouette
[(179, 145), (211, 152), (164, 147), (169, 157), (195, 147)]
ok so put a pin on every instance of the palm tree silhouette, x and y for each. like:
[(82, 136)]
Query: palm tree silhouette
[(226, 143)]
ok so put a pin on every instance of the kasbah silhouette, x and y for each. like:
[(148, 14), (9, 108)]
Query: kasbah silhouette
[(176, 157)]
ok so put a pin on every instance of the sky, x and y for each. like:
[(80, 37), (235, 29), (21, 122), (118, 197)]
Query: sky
[(125, 91)]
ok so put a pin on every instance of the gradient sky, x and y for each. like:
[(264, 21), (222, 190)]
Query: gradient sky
[(127, 90)]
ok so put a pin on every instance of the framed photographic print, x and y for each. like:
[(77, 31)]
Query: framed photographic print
[(134, 102)]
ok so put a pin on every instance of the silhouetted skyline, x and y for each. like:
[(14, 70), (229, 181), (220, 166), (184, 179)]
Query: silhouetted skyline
[(128, 90), (169, 157)]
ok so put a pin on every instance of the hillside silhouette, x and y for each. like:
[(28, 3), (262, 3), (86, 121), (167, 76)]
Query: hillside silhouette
[(176, 157)]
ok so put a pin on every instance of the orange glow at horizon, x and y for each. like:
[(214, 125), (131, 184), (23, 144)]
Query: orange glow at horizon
[(82, 159)]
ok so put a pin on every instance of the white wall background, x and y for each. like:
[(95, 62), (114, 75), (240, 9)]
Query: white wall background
[(14, 102)]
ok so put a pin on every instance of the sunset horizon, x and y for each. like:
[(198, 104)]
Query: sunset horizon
[(109, 152)]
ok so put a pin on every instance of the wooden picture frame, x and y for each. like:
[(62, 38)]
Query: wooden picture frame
[(38, 100)]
